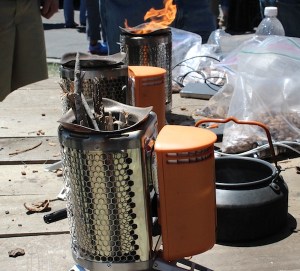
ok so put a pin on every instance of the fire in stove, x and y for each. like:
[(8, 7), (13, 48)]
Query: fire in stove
[(155, 19)]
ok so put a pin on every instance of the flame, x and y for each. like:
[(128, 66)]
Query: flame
[(159, 19)]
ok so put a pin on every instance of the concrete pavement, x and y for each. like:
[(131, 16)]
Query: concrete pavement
[(61, 40)]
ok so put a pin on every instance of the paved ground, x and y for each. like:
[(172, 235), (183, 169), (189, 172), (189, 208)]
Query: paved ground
[(60, 40)]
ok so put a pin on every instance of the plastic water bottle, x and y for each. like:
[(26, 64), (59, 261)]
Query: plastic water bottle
[(270, 25)]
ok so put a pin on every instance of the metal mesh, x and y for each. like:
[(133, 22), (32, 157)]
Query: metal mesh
[(111, 83), (103, 217), (151, 50), (108, 199)]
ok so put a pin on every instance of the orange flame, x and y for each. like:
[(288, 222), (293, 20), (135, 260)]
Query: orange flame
[(159, 19)]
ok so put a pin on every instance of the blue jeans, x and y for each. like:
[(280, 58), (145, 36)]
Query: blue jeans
[(94, 21), (69, 12), (116, 11)]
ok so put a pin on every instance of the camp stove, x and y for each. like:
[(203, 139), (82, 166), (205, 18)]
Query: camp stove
[(111, 176), (124, 191), (151, 49), (104, 76), (108, 176)]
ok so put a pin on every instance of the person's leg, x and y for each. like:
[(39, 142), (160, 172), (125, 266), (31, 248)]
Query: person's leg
[(93, 29), (82, 12), (196, 17), (69, 13), (102, 13), (289, 16), (7, 35), (30, 50), (93, 21), (22, 45), (243, 16), (119, 10)]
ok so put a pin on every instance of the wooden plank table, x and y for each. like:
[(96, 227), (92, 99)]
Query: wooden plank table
[(24, 154)]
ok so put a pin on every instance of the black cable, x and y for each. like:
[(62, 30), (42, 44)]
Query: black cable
[(181, 78), (179, 63)]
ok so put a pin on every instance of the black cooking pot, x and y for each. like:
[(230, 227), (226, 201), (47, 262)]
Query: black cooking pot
[(251, 195), (252, 199)]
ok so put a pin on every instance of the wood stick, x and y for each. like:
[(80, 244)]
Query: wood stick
[(89, 112), (80, 112), (25, 150)]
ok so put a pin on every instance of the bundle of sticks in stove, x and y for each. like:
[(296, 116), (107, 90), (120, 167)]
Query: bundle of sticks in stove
[(93, 117)]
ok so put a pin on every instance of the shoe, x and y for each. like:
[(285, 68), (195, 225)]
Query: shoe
[(73, 25), (81, 29), (98, 49)]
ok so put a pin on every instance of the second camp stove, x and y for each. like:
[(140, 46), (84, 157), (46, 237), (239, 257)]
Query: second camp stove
[(152, 49), (102, 77)]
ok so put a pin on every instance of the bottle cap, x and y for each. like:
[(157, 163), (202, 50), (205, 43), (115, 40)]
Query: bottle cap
[(270, 11)]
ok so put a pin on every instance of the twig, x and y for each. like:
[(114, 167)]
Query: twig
[(80, 112), (89, 112), (25, 150), (98, 105)]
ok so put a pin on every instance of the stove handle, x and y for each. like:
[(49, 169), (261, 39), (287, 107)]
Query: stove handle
[(249, 123)]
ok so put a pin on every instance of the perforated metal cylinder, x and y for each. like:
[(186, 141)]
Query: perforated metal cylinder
[(108, 199), (154, 49), (111, 83)]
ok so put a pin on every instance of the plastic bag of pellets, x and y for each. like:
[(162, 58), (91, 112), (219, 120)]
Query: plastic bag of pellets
[(267, 89)]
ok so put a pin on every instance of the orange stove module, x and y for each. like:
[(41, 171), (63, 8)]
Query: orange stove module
[(147, 88), (186, 189)]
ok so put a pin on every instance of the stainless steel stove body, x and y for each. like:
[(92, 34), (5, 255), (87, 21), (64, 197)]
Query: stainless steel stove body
[(108, 175), (152, 49), (101, 77)]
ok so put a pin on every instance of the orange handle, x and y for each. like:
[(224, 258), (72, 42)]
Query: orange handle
[(245, 122)]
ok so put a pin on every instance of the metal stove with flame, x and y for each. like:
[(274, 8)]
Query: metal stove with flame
[(150, 49), (150, 43)]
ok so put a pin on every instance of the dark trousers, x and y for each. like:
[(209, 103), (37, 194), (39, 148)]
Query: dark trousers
[(243, 16), (289, 16)]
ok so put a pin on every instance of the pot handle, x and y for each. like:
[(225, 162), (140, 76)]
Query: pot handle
[(246, 122)]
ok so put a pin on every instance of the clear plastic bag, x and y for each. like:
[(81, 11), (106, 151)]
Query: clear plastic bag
[(186, 46), (218, 105), (266, 90)]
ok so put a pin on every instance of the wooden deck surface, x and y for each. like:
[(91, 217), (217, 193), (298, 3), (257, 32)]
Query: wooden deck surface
[(28, 143)]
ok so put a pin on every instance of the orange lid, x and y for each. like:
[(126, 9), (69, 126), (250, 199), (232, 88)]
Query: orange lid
[(146, 71), (183, 138)]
